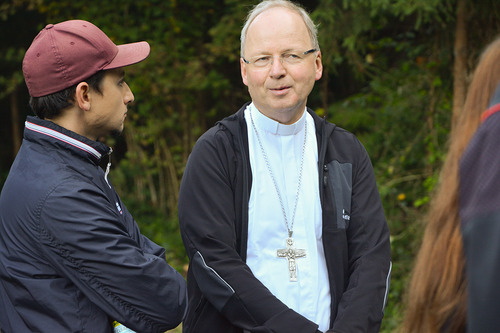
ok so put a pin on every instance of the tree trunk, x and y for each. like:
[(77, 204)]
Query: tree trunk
[(324, 90), (169, 180), (162, 177), (16, 130), (460, 63)]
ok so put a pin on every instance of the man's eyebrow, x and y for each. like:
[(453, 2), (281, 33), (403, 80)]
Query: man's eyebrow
[(118, 72)]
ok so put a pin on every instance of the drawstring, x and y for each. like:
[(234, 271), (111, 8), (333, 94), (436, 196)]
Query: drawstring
[(108, 166)]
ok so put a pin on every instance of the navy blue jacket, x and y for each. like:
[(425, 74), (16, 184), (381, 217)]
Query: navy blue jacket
[(480, 216), (72, 257), (224, 296)]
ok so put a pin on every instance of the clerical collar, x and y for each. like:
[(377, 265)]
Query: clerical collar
[(267, 124)]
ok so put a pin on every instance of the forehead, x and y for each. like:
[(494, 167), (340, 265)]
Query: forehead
[(116, 72), (277, 29)]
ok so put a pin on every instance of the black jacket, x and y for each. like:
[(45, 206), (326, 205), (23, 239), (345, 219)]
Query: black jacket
[(72, 257), (224, 296)]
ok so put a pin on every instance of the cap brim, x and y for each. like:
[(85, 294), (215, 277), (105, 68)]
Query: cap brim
[(129, 54)]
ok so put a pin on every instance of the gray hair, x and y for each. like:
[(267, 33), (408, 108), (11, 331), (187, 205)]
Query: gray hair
[(267, 4)]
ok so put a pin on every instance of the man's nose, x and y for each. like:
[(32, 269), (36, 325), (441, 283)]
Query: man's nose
[(277, 67), (129, 95)]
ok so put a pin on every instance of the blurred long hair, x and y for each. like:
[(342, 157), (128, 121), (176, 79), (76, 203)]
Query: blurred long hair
[(437, 296)]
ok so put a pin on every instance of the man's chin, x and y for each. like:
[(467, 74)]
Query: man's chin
[(116, 132)]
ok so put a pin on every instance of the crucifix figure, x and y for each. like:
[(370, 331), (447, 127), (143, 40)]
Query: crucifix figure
[(291, 253)]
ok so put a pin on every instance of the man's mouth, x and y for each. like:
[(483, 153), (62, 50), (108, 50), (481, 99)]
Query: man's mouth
[(280, 88), (280, 91)]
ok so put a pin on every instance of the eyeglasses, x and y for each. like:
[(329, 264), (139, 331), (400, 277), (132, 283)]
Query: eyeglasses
[(290, 58)]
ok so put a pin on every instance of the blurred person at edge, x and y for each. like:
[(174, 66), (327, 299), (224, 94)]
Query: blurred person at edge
[(279, 210), (438, 299), (72, 258)]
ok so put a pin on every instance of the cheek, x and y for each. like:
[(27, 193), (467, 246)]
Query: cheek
[(304, 78), (256, 79)]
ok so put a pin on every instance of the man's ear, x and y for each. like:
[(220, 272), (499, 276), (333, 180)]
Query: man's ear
[(319, 66), (82, 96), (243, 69)]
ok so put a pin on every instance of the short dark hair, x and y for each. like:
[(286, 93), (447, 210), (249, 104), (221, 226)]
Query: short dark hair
[(50, 106)]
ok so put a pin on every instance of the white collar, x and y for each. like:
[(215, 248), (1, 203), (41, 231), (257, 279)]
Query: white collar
[(269, 125)]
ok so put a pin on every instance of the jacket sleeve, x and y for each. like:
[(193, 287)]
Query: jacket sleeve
[(207, 217), (480, 216), (98, 246), (361, 307)]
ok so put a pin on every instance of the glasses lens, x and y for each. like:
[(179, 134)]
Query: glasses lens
[(262, 61), (291, 58)]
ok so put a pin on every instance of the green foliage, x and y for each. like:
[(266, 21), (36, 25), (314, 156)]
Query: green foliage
[(398, 103), (390, 116)]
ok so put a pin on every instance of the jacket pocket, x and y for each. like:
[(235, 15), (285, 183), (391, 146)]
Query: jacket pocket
[(339, 183)]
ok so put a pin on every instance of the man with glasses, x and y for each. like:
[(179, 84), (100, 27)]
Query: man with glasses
[(279, 210)]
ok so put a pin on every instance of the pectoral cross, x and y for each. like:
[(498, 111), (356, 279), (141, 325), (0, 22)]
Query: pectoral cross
[(291, 253)]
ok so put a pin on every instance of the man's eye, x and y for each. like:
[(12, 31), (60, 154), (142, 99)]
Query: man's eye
[(291, 56), (262, 59)]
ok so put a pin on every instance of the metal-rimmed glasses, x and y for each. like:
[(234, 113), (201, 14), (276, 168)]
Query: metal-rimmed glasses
[(290, 58)]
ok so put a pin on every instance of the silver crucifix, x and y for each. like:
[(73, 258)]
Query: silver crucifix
[(291, 253)]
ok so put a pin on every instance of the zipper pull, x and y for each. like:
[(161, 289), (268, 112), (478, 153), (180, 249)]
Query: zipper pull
[(325, 175), (108, 166)]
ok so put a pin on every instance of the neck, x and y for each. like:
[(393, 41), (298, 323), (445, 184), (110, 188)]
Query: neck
[(285, 117), (72, 120)]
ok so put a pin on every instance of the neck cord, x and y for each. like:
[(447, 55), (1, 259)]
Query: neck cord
[(289, 228)]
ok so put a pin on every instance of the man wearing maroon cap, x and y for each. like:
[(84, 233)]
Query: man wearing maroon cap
[(72, 258)]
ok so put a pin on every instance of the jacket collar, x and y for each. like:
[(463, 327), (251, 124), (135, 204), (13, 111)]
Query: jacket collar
[(48, 133), (236, 123)]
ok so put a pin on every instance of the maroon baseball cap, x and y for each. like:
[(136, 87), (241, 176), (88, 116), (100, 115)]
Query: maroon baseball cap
[(69, 52)]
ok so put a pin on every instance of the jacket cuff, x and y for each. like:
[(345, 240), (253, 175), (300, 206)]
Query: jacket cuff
[(282, 322)]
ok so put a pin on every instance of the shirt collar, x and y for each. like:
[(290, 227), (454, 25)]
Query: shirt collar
[(269, 125)]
